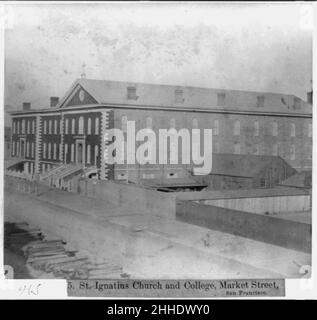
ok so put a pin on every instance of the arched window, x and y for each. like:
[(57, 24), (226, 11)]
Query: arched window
[(256, 128), (172, 123), (216, 127), (89, 126), (44, 150), (195, 123), (73, 126), (275, 129), (149, 123), (66, 126), (124, 121), (293, 130), (236, 128), (88, 153), (97, 125), (81, 125)]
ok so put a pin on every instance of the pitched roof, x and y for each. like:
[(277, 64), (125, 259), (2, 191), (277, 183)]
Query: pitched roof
[(241, 165), (299, 180), (115, 92)]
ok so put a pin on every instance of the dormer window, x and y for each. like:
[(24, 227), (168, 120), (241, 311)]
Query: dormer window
[(221, 99), (179, 96), (131, 93), (260, 102)]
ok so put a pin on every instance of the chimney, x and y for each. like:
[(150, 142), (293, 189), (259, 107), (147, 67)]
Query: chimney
[(310, 97), (26, 106), (54, 101)]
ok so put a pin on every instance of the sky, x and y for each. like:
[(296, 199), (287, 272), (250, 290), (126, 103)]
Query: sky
[(256, 47)]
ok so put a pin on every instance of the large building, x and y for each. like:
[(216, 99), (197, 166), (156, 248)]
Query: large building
[(71, 130)]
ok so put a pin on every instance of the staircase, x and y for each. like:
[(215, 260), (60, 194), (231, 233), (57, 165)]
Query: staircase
[(59, 176)]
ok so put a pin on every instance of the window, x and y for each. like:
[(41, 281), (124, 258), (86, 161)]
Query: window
[(60, 152), (293, 130), (61, 126), (260, 102), (221, 99), (275, 129), (66, 151), (124, 121), (216, 127), (49, 151), (28, 127), (216, 147), (131, 93), (23, 126), (27, 148), (149, 123), (256, 149), (55, 126), (256, 128), (97, 125), (262, 183), (72, 153), (81, 125), (33, 150), (309, 130), (66, 126), (55, 151), (293, 155), (172, 123), (179, 96), (44, 150), (275, 149), (89, 126), (73, 126), (50, 127), (237, 148), (13, 147), (13, 127), (88, 154), (96, 155), (45, 126), (33, 126), (236, 128), (195, 123)]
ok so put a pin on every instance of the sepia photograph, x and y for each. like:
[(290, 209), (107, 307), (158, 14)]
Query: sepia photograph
[(161, 141)]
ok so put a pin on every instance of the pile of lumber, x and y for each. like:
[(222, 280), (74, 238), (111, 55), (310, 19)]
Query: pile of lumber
[(51, 256)]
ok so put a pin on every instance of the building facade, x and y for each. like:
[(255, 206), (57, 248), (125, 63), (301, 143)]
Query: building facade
[(72, 131)]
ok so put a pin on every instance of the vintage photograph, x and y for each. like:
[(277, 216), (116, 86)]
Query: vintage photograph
[(158, 140)]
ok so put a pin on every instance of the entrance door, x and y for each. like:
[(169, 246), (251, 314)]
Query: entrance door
[(80, 152)]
